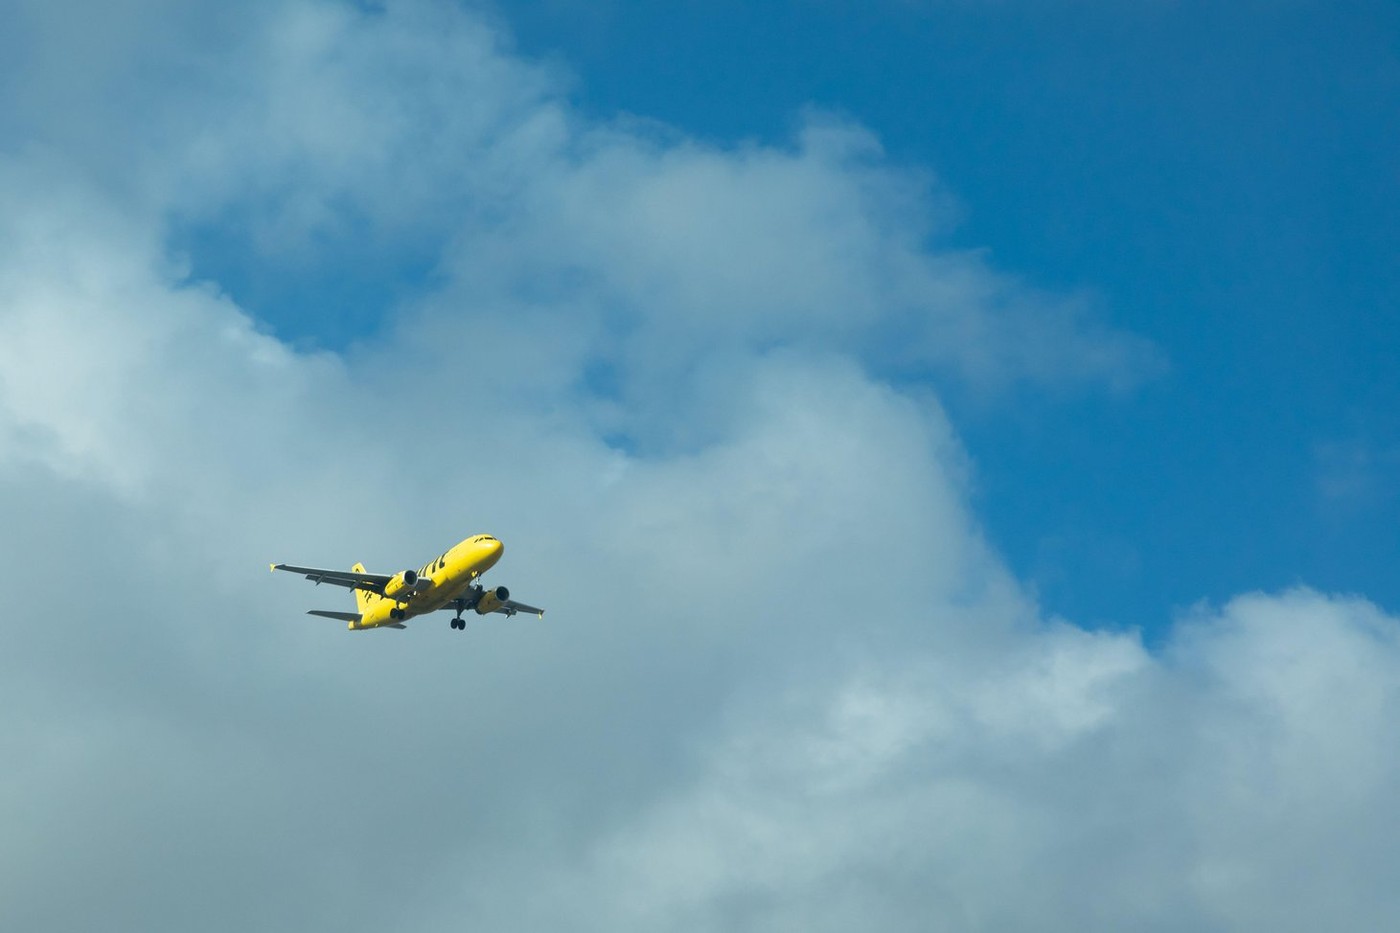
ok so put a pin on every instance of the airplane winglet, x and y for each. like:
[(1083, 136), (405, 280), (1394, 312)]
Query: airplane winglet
[(271, 568)]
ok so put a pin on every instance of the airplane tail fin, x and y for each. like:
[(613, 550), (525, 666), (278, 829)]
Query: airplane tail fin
[(362, 598)]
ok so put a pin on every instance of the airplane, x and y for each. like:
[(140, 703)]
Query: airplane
[(448, 582)]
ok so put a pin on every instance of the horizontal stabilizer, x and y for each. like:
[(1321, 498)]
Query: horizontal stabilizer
[(342, 616)]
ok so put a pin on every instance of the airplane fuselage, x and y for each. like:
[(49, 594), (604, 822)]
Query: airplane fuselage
[(437, 584)]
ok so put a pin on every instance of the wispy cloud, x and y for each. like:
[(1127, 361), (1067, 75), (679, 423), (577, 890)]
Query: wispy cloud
[(1356, 473)]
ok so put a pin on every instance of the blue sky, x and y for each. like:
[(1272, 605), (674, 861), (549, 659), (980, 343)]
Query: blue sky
[(1220, 179), (1223, 178)]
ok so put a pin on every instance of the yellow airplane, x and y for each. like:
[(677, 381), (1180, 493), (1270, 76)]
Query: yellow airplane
[(449, 582)]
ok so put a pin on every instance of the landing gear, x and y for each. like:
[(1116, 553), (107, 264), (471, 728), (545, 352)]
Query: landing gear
[(459, 623)]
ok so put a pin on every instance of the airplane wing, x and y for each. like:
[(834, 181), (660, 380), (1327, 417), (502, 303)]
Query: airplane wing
[(370, 582), (510, 607)]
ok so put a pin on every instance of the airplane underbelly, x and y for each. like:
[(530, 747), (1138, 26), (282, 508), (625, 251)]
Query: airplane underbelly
[(434, 599), (432, 603)]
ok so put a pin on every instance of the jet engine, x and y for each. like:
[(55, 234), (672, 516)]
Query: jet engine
[(491, 600), (402, 586)]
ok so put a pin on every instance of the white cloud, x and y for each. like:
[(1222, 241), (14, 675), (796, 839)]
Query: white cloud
[(1245, 783), (318, 123), (783, 682)]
